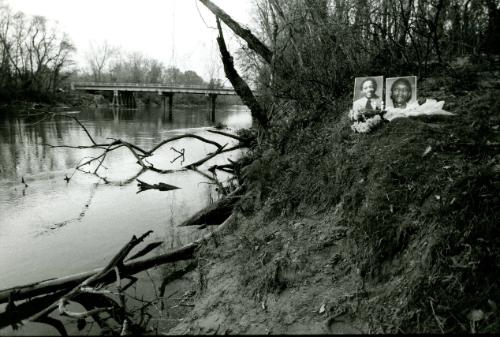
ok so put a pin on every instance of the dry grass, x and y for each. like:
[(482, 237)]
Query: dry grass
[(425, 223)]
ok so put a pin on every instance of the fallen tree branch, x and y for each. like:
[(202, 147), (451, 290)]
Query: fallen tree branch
[(84, 314), (131, 268), (212, 155), (143, 186), (214, 213), (228, 168), (186, 135), (230, 135), (79, 123), (176, 275), (139, 153), (116, 261), (14, 314)]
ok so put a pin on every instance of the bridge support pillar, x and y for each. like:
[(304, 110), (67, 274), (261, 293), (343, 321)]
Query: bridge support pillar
[(170, 96), (212, 97), (116, 98), (170, 106)]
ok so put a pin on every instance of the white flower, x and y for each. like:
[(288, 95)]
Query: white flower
[(366, 126)]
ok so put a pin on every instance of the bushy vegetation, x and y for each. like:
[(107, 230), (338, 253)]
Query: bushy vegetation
[(34, 56), (420, 196), (320, 46), (36, 63)]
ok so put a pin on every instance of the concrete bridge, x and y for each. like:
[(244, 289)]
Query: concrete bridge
[(123, 93)]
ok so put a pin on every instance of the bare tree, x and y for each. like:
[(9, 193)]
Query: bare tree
[(99, 57), (33, 53)]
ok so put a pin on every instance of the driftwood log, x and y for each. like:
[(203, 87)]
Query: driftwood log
[(144, 186), (130, 268), (114, 266), (215, 213)]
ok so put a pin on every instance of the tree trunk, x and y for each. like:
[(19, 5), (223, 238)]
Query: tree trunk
[(238, 83), (253, 43), (215, 213)]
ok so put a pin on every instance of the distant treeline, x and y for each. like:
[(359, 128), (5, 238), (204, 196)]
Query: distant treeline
[(319, 46), (34, 56), (110, 64), (36, 63)]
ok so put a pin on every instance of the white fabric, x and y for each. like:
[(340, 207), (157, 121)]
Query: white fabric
[(430, 107)]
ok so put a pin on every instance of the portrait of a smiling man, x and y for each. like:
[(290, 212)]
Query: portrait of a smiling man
[(400, 92), (367, 93)]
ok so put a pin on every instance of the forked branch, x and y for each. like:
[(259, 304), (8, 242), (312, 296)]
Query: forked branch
[(138, 152)]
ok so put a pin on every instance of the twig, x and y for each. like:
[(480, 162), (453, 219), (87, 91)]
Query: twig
[(186, 135), (436, 318), (116, 261), (124, 330), (240, 139), (181, 154), (81, 125), (139, 153), (207, 158), (64, 312)]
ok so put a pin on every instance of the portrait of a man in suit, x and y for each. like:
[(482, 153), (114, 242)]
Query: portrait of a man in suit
[(367, 93)]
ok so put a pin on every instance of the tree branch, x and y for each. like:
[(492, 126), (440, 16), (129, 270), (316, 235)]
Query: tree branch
[(238, 83), (253, 43), (130, 268), (116, 261), (143, 186)]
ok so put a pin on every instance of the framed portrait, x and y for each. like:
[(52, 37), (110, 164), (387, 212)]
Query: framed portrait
[(367, 93), (400, 92)]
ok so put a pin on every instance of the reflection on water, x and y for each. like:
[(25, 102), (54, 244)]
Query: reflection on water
[(51, 228)]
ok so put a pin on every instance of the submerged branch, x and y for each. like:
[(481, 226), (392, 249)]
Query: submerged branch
[(238, 138), (102, 275), (79, 123), (139, 153), (143, 186), (216, 212), (186, 135)]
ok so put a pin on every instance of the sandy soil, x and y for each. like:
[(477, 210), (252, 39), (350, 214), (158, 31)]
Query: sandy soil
[(289, 281)]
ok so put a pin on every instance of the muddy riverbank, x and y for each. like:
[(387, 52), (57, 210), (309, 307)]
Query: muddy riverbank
[(387, 232)]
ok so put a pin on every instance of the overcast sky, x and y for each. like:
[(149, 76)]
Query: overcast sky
[(172, 31)]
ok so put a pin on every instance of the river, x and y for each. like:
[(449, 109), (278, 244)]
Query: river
[(52, 228)]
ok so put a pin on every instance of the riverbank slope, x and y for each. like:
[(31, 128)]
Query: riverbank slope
[(391, 231)]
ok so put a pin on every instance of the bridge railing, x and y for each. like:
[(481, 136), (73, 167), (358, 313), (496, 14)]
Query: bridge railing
[(148, 85)]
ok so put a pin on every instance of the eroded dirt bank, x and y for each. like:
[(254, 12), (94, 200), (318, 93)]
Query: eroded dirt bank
[(393, 231)]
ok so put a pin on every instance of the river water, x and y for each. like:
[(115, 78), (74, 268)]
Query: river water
[(51, 228)]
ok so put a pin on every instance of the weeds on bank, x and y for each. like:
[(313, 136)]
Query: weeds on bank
[(420, 195)]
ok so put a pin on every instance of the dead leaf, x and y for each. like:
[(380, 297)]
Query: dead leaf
[(475, 315), (427, 150), (493, 305)]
